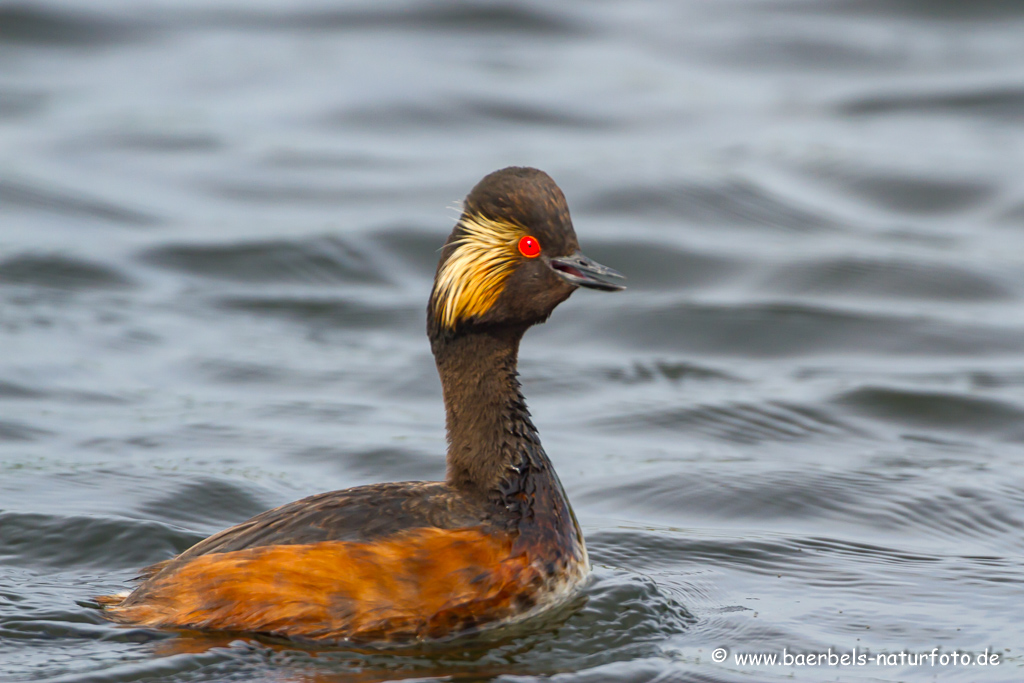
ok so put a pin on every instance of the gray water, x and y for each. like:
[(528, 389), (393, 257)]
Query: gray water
[(801, 427)]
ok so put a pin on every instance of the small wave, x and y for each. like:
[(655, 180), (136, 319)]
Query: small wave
[(849, 276), (772, 330), (17, 431), (1000, 102), (314, 261), (652, 550), (1014, 215), (747, 423), (323, 312), (444, 17), (60, 272), (205, 502), (49, 26), (899, 502), (456, 116), (772, 48), (659, 266), (731, 202), (324, 412), (624, 611), (725, 495), (855, 568), (159, 141), (18, 103), (906, 193), (936, 411), (58, 541), (384, 464), (237, 372), (929, 10), (979, 518), (277, 190), (673, 371), (19, 391), (419, 249), (24, 195)]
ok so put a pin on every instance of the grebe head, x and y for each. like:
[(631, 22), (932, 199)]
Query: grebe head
[(512, 257)]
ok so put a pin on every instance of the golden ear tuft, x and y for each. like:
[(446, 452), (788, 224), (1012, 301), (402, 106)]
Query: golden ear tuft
[(472, 278)]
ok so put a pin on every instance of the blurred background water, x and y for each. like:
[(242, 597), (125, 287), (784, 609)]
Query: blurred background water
[(801, 427)]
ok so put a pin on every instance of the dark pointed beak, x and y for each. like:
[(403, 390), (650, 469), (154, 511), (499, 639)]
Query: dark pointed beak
[(577, 269)]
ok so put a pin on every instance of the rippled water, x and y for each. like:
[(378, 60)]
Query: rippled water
[(801, 427)]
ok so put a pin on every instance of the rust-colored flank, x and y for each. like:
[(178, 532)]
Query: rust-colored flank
[(410, 561)]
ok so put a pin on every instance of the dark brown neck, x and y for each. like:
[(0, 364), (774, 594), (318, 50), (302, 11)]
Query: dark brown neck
[(494, 453), (488, 424)]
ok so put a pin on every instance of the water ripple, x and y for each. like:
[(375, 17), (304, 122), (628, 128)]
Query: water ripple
[(768, 330), (204, 502), (891, 279), (17, 431), (24, 195), (659, 266), (324, 312), (499, 17), (735, 202), (65, 542), (1000, 102), (926, 10), (907, 193), (21, 24), (482, 113), (673, 371), (315, 261), (742, 422), (937, 411), (60, 272)]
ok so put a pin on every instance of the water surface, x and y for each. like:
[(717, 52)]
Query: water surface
[(801, 427)]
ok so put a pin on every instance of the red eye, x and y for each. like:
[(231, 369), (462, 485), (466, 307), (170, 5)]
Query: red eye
[(529, 247)]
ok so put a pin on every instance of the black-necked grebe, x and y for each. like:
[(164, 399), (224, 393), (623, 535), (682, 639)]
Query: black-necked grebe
[(416, 560)]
